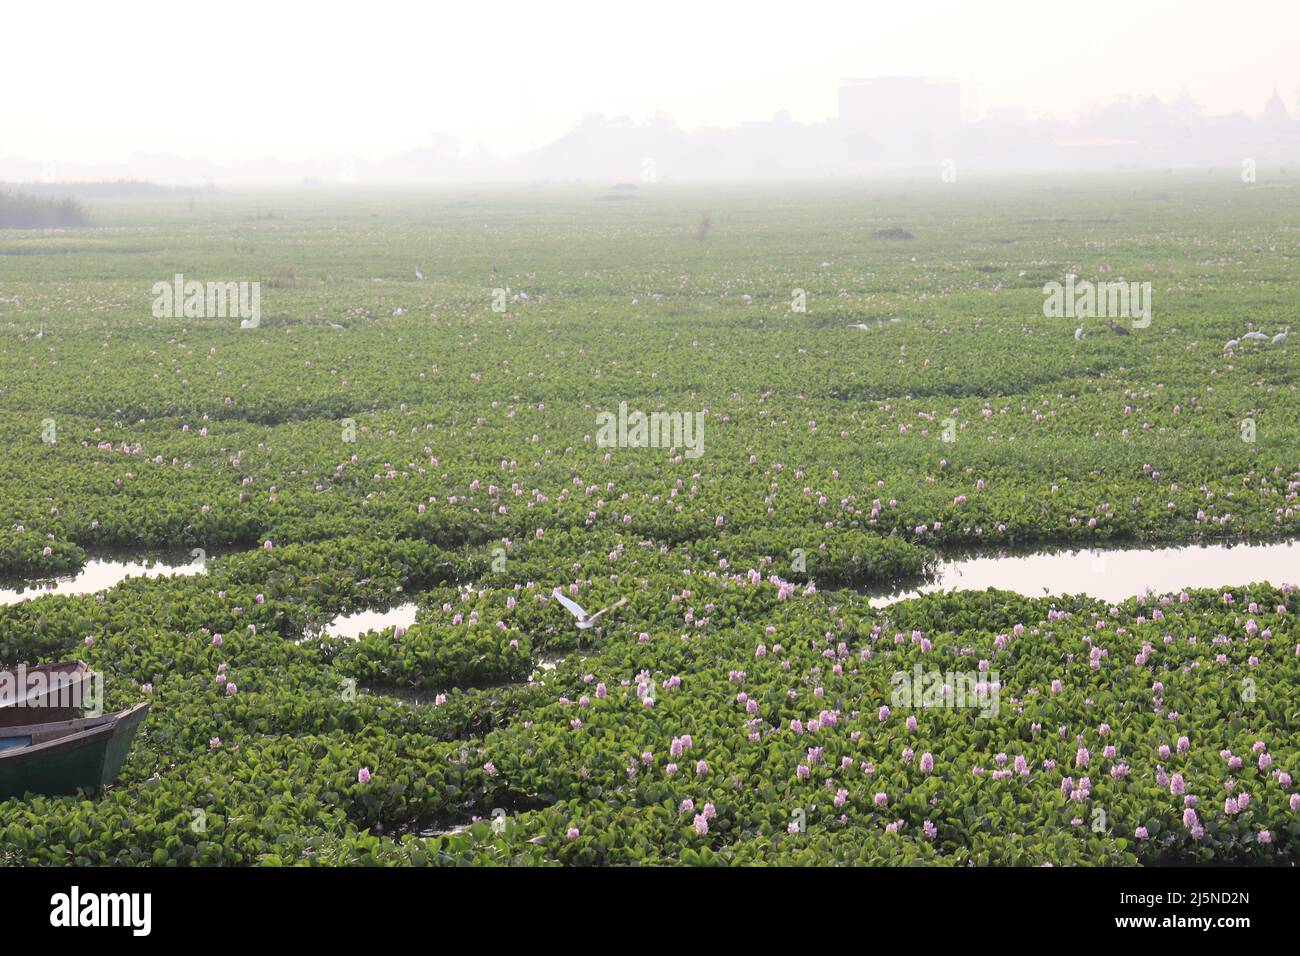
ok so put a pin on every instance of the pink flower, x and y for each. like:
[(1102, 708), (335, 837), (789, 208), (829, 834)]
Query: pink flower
[(363, 775), (214, 743), (701, 824), (927, 762), (572, 833), (231, 689)]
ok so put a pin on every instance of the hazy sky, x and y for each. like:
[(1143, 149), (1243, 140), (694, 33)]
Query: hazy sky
[(92, 81)]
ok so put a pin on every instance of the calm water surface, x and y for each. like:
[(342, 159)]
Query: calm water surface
[(1115, 574)]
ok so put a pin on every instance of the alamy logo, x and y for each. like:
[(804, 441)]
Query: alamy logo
[(656, 430), (103, 909), (50, 689), (215, 300), (1105, 300), (977, 690)]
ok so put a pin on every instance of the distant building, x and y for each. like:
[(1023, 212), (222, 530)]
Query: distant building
[(906, 112), (1275, 110)]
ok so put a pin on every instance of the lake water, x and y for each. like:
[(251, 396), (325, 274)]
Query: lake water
[(355, 624), (1108, 574), (101, 573), (1114, 574)]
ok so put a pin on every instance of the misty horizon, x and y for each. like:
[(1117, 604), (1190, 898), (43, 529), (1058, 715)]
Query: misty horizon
[(904, 129), (301, 95)]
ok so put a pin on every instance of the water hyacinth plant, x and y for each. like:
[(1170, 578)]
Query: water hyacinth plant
[(381, 438)]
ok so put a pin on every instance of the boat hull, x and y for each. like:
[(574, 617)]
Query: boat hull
[(62, 758), (55, 692)]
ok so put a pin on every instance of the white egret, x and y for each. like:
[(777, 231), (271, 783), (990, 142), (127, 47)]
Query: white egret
[(1078, 333), (1255, 336), (1281, 336), (1230, 345), (418, 273), (584, 619)]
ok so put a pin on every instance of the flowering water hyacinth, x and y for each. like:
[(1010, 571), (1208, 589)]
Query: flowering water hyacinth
[(389, 479)]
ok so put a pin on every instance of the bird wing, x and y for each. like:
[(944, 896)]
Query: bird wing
[(574, 607), (619, 603)]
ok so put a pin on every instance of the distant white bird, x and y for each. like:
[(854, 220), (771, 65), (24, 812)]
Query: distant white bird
[(1230, 344), (399, 311), (418, 273), (861, 325), (248, 323), (41, 333), (1281, 336), (1255, 336), (334, 325), (585, 620), (1078, 333)]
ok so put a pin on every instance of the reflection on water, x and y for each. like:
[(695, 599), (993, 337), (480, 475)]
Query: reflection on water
[(101, 573), (354, 625), (1116, 574)]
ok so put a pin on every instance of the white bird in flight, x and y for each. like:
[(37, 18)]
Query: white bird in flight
[(585, 620)]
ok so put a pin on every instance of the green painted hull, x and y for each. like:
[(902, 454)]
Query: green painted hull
[(85, 757)]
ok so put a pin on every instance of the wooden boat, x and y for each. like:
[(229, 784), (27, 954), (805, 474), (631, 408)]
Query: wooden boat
[(67, 755), (43, 694)]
